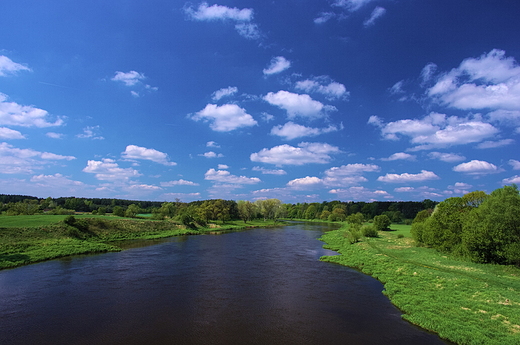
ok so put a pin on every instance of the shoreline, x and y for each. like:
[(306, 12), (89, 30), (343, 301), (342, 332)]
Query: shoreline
[(463, 302), (24, 246)]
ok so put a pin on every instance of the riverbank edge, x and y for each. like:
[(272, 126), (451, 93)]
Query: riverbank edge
[(459, 307), (29, 245)]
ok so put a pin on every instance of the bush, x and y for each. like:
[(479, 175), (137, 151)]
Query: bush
[(369, 231), (382, 222)]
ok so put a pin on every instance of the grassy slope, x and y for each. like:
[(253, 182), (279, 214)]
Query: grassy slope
[(464, 302), (29, 239)]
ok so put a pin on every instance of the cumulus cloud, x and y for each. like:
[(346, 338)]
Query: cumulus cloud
[(137, 152), (298, 105), (491, 81), (495, 144), (422, 192), (358, 193), (55, 181), (14, 160), (129, 78), (14, 114), (181, 196), (242, 17), (54, 135), (377, 13), (224, 92), (223, 176), (292, 130), (305, 153), (476, 167), (515, 164), (7, 133), (278, 64), (180, 182), (515, 179), (424, 175), (8, 66), (225, 118), (108, 170), (270, 171), (460, 188), (446, 157), (400, 156), (436, 130), (325, 86), (222, 167), (212, 144), (211, 154), (90, 132)]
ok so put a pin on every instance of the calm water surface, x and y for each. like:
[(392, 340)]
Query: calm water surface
[(262, 286)]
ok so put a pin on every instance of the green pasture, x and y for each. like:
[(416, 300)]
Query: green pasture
[(465, 302)]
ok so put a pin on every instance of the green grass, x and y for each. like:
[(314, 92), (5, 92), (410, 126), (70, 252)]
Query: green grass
[(29, 239), (464, 302)]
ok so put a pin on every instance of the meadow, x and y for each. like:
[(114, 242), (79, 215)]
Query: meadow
[(33, 238), (464, 302)]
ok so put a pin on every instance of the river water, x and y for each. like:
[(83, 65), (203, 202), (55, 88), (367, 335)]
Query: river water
[(261, 286)]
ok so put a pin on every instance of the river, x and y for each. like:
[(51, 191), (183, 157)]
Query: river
[(260, 286)]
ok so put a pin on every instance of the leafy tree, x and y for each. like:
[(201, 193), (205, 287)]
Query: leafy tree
[(269, 208), (246, 210), (168, 209), (132, 211), (26, 207), (492, 230), (382, 222), (369, 230), (356, 218), (118, 211)]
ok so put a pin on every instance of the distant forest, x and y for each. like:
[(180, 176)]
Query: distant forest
[(399, 211)]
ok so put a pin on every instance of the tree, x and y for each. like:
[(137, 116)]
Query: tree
[(492, 230), (246, 210), (168, 209), (356, 218), (118, 211), (269, 208), (132, 211), (382, 222)]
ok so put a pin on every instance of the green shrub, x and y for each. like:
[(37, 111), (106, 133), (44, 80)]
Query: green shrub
[(369, 231)]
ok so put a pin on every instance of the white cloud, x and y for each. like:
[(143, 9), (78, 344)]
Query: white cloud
[(305, 183), (427, 72), (141, 188), (460, 188), (23, 161), (476, 167), (242, 18), (400, 156), (515, 164), (7, 133), (446, 157), (225, 118), (180, 182), (270, 171), (108, 170), (292, 130), (212, 144), (90, 132), (130, 78), (182, 196), (505, 117), (278, 64), (324, 17), (422, 192), (325, 86), (495, 144), (211, 154), (358, 193), (8, 66), (491, 81), (397, 88), (424, 175), (515, 179), (305, 153), (436, 130), (351, 170), (222, 166), (224, 92), (137, 152), (377, 13), (223, 176), (54, 135), (55, 181), (13, 114), (298, 105), (350, 5)]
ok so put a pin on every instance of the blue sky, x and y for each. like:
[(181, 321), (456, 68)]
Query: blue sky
[(301, 100)]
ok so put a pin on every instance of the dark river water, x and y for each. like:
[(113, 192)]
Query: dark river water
[(261, 286)]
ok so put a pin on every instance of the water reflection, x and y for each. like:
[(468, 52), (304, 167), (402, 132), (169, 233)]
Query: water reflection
[(262, 286)]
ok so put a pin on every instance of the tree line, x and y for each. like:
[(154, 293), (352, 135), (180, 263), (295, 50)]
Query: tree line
[(484, 228), (217, 209)]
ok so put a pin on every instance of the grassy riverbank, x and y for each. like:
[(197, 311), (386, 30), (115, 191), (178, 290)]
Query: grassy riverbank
[(30, 239), (464, 302)]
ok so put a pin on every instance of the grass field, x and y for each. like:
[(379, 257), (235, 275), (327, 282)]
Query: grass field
[(464, 302), (29, 239)]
